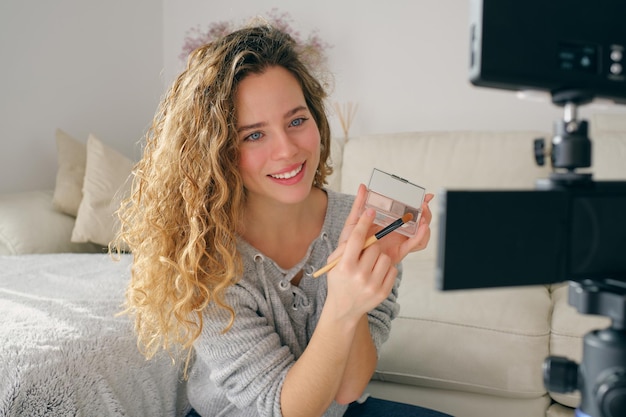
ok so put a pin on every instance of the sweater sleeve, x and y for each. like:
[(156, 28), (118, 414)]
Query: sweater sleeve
[(380, 318), (248, 362)]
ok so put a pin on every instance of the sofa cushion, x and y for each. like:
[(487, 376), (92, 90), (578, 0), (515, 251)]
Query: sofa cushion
[(484, 341), (608, 152)]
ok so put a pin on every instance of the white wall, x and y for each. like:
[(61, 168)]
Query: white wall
[(101, 66), (403, 61), (81, 65)]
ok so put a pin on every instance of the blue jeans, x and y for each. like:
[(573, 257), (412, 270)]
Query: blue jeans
[(375, 407)]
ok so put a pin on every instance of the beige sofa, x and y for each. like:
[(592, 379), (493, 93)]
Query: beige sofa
[(475, 353), (469, 353)]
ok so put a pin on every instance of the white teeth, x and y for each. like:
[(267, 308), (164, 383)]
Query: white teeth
[(287, 175)]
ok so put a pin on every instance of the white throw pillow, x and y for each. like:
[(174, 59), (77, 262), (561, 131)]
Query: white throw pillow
[(30, 224), (71, 159), (107, 181)]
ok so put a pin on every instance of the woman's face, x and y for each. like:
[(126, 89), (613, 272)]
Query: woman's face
[(279, 139)]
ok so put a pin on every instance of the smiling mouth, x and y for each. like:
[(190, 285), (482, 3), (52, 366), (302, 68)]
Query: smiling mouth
[(287, 175)]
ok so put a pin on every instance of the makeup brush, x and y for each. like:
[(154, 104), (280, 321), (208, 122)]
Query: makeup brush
[(369, 242)]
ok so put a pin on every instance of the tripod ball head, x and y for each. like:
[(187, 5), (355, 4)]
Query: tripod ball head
[(571, 147)]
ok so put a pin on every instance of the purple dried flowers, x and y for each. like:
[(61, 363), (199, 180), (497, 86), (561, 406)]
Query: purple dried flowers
[(311, 48)]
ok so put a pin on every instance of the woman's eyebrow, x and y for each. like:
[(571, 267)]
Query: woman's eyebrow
[(250, 127), (294, 111)]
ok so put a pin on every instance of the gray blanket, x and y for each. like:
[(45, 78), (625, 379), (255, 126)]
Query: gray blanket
[(63, 352)]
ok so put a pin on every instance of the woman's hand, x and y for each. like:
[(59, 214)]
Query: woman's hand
[(395, 245), (363, 278)]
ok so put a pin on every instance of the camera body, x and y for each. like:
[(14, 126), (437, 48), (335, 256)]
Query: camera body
[(554, 46), (540, 236)]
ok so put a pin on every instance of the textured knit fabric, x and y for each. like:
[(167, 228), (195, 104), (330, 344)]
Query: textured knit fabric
[(241, 372)]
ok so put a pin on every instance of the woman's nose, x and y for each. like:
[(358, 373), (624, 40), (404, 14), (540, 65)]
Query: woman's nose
[(284, 145)]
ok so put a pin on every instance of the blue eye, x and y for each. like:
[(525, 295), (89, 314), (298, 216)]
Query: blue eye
[(298, 122), (254, 136)]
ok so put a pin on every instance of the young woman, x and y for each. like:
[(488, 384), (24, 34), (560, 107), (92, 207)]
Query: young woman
[(228, 220)]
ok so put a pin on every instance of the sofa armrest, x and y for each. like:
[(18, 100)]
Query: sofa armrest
[(30, 224)]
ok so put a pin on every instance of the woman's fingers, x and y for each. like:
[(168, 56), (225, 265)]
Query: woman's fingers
[(358, 234), (360, 280), (355, 213), (350, 223)]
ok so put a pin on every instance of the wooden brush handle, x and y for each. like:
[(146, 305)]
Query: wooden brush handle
[(369, 242)]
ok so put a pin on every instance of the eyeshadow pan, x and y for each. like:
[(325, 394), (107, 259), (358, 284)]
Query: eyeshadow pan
[(397, 208), (379, 201)]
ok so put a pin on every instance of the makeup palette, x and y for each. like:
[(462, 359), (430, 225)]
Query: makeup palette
[(392, 197)]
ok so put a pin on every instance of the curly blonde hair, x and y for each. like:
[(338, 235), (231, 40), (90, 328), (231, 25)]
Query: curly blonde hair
[(180, 221)]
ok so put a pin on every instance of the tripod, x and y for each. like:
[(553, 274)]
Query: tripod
[(601, 375)]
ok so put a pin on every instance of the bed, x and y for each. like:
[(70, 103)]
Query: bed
[(65, 351)]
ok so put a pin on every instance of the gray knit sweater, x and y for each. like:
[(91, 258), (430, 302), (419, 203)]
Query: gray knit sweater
[(241, 372)]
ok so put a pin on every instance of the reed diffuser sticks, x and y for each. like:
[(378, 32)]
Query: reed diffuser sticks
[(346, 113)]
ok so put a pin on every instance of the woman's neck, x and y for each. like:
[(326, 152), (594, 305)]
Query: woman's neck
[(284, 232)]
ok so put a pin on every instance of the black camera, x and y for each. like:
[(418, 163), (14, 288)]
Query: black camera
[(559, 46), (569, 227)]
